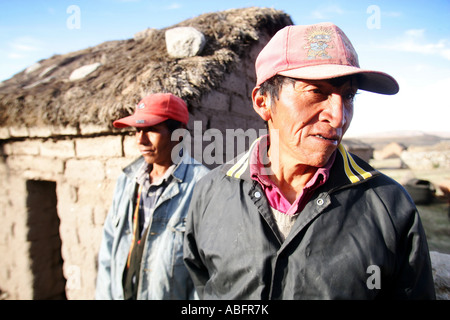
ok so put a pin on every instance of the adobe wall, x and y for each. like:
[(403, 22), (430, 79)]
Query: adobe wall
[(84, 170), (82, 164)]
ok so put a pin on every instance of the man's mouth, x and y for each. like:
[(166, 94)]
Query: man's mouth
[(331, 138), (326, 138)]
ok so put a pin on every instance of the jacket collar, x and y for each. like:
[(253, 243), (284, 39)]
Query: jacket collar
[(347, 168), (239, 167)]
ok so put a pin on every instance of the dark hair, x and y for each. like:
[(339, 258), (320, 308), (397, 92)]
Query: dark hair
[(273, 85), (173, 125)]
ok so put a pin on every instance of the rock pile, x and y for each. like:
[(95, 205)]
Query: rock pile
[(428, 157), (441, 273)]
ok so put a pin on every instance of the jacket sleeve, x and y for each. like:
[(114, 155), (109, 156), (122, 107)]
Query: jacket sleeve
[(415, 279), (191, 255), (103, 285)]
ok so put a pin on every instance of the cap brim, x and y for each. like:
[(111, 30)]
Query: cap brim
[(373, 81), (138, 122)]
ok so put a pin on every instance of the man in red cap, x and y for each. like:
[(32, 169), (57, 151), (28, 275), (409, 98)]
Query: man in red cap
[(142, 248), (298, 216)]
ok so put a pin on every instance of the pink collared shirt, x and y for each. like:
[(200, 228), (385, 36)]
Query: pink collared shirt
[(274, 195)]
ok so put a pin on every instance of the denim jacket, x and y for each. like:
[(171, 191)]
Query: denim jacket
[(163, 274)]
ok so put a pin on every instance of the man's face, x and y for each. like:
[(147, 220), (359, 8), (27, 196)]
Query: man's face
[(311, 118), (155, 144)]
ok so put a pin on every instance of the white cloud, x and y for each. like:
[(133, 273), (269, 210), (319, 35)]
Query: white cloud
[(415, 33), (391, 14), (15, 55), (173, 6), (414, 40), (23, 47), (326, 12), (446, 53)]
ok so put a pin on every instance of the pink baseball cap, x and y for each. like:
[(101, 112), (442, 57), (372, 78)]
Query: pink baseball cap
[(317, 52), (155, 109)]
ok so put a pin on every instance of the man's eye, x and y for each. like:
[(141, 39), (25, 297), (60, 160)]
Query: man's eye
[(350, 96), (145, 129), (316, 92)]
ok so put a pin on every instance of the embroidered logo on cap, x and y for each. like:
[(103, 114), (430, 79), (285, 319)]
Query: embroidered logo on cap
[(319, 40), (140, 121), (141, 106)]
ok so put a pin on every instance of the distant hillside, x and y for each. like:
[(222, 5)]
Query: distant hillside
[(407, 138)]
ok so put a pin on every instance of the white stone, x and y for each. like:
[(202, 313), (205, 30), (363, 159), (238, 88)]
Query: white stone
[(83, 71), (143, 34), (47, 70), (184, 42), (33, 67)]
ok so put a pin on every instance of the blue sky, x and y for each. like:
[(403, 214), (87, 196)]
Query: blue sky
[(408, 39)]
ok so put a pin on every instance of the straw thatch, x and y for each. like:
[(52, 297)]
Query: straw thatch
[(131, 69)]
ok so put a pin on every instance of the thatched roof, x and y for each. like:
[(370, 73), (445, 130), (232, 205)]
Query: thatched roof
[(130, 69)]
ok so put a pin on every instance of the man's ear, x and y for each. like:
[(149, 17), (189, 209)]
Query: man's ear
[(261, 104), (184, 128)]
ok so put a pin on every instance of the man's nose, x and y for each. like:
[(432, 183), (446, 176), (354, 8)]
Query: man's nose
[(334, 111), (141, 137)]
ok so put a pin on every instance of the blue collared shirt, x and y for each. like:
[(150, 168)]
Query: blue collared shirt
[(151, 191)]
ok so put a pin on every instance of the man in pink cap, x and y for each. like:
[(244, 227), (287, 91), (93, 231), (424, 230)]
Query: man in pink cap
[(141, 255), (298, 216)]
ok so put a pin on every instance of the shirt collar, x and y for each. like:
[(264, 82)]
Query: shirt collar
[(142, 175)]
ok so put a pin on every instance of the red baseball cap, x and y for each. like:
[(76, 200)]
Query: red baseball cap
[(155, 109), (317, 52)]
